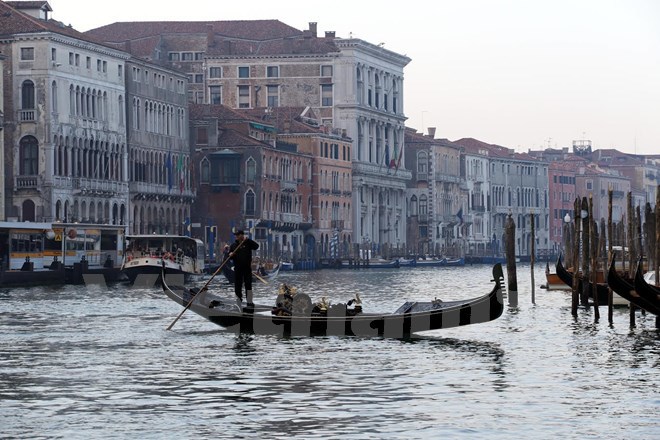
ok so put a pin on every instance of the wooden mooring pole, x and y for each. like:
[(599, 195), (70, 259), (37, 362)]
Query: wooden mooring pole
[(510, 236), (531, 259), (586, 251), (576, 256), (657, 245), (593, 252), (610, 238), (631, 247)]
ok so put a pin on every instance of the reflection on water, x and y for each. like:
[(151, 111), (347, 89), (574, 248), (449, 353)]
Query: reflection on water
[(80, 362)]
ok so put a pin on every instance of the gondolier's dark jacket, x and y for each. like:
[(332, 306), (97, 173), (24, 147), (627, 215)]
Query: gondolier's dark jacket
[(243, 255)]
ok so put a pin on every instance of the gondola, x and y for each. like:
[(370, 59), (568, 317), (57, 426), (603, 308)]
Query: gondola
[(649, 292), (627, 290), (228, 272), (601, 288), (305, 319)]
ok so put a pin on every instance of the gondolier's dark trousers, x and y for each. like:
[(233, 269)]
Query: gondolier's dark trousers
[(242, 276)]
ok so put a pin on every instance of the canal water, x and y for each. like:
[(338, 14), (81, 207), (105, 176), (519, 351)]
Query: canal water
[(82, 362)]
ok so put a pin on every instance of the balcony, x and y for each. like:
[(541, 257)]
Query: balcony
[(27, 115), (26, 182), (478, 209), (288, 217), (102, 188), (288, 185), (422, 176), (337, 224), (443, 177), (423, 218)]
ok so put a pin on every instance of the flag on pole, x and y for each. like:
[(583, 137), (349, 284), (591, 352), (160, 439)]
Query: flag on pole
[(180, 172), (459, 214)]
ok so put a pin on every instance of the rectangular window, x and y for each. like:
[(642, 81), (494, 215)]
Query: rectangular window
[(244, 72), (272, 72), (146, 77), (202, 136), (53, 54), (77, 60), (326, 95), (199, 78), (215, 72), (173, 56), (199, 56), (215, 95), (243, 96), (326, 71), (71, 58), (88, 62), (120, 70), (27, 53), (273, 96), (187, 56), (98, 65)]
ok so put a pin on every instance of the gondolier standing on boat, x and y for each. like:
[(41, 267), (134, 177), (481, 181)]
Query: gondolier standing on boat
[(241, 253)]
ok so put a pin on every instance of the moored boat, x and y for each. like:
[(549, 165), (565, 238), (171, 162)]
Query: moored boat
[(305, 318), (631, 292), (599, 288), (649, 292), (146, 255), (553, 282)]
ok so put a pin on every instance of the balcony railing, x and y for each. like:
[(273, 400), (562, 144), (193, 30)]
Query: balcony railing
[(337, 224), (443, 177), (27, 115), (288, 185), (26, 182)]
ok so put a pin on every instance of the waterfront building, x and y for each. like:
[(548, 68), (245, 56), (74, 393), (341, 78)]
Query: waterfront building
[(475, 172), (643, 171), (519, 188), (249, 179), (330, 192), (65, 123), (349, 84), (435, 196), (159, 170)]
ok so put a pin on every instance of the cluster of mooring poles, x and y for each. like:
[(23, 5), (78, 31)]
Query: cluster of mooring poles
[(589, 247)]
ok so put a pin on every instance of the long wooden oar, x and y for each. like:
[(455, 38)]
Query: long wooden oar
[(203, 288), (259, 278)]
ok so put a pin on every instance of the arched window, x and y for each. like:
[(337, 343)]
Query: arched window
[(53, 98), (29, 154), (413, 205), (249, 203), (422, 163), (250, 170), (205, 171)]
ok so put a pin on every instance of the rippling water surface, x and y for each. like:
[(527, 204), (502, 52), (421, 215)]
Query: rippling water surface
[(92, 362)]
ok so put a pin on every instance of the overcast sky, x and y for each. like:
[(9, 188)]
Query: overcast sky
[(518, 73)]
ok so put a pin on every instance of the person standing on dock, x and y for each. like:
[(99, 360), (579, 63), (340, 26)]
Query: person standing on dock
[(241, 253)]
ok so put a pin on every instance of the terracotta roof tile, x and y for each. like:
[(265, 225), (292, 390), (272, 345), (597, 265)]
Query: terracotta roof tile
[(255, 30)]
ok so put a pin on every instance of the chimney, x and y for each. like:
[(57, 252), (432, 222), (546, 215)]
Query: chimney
[(330, 35), (432, 132), (210, 35), (312, 28)]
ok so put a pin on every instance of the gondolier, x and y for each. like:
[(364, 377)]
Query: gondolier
[(241, 253)]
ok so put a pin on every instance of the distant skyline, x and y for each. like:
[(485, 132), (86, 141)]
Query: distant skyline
[(517, 73)]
